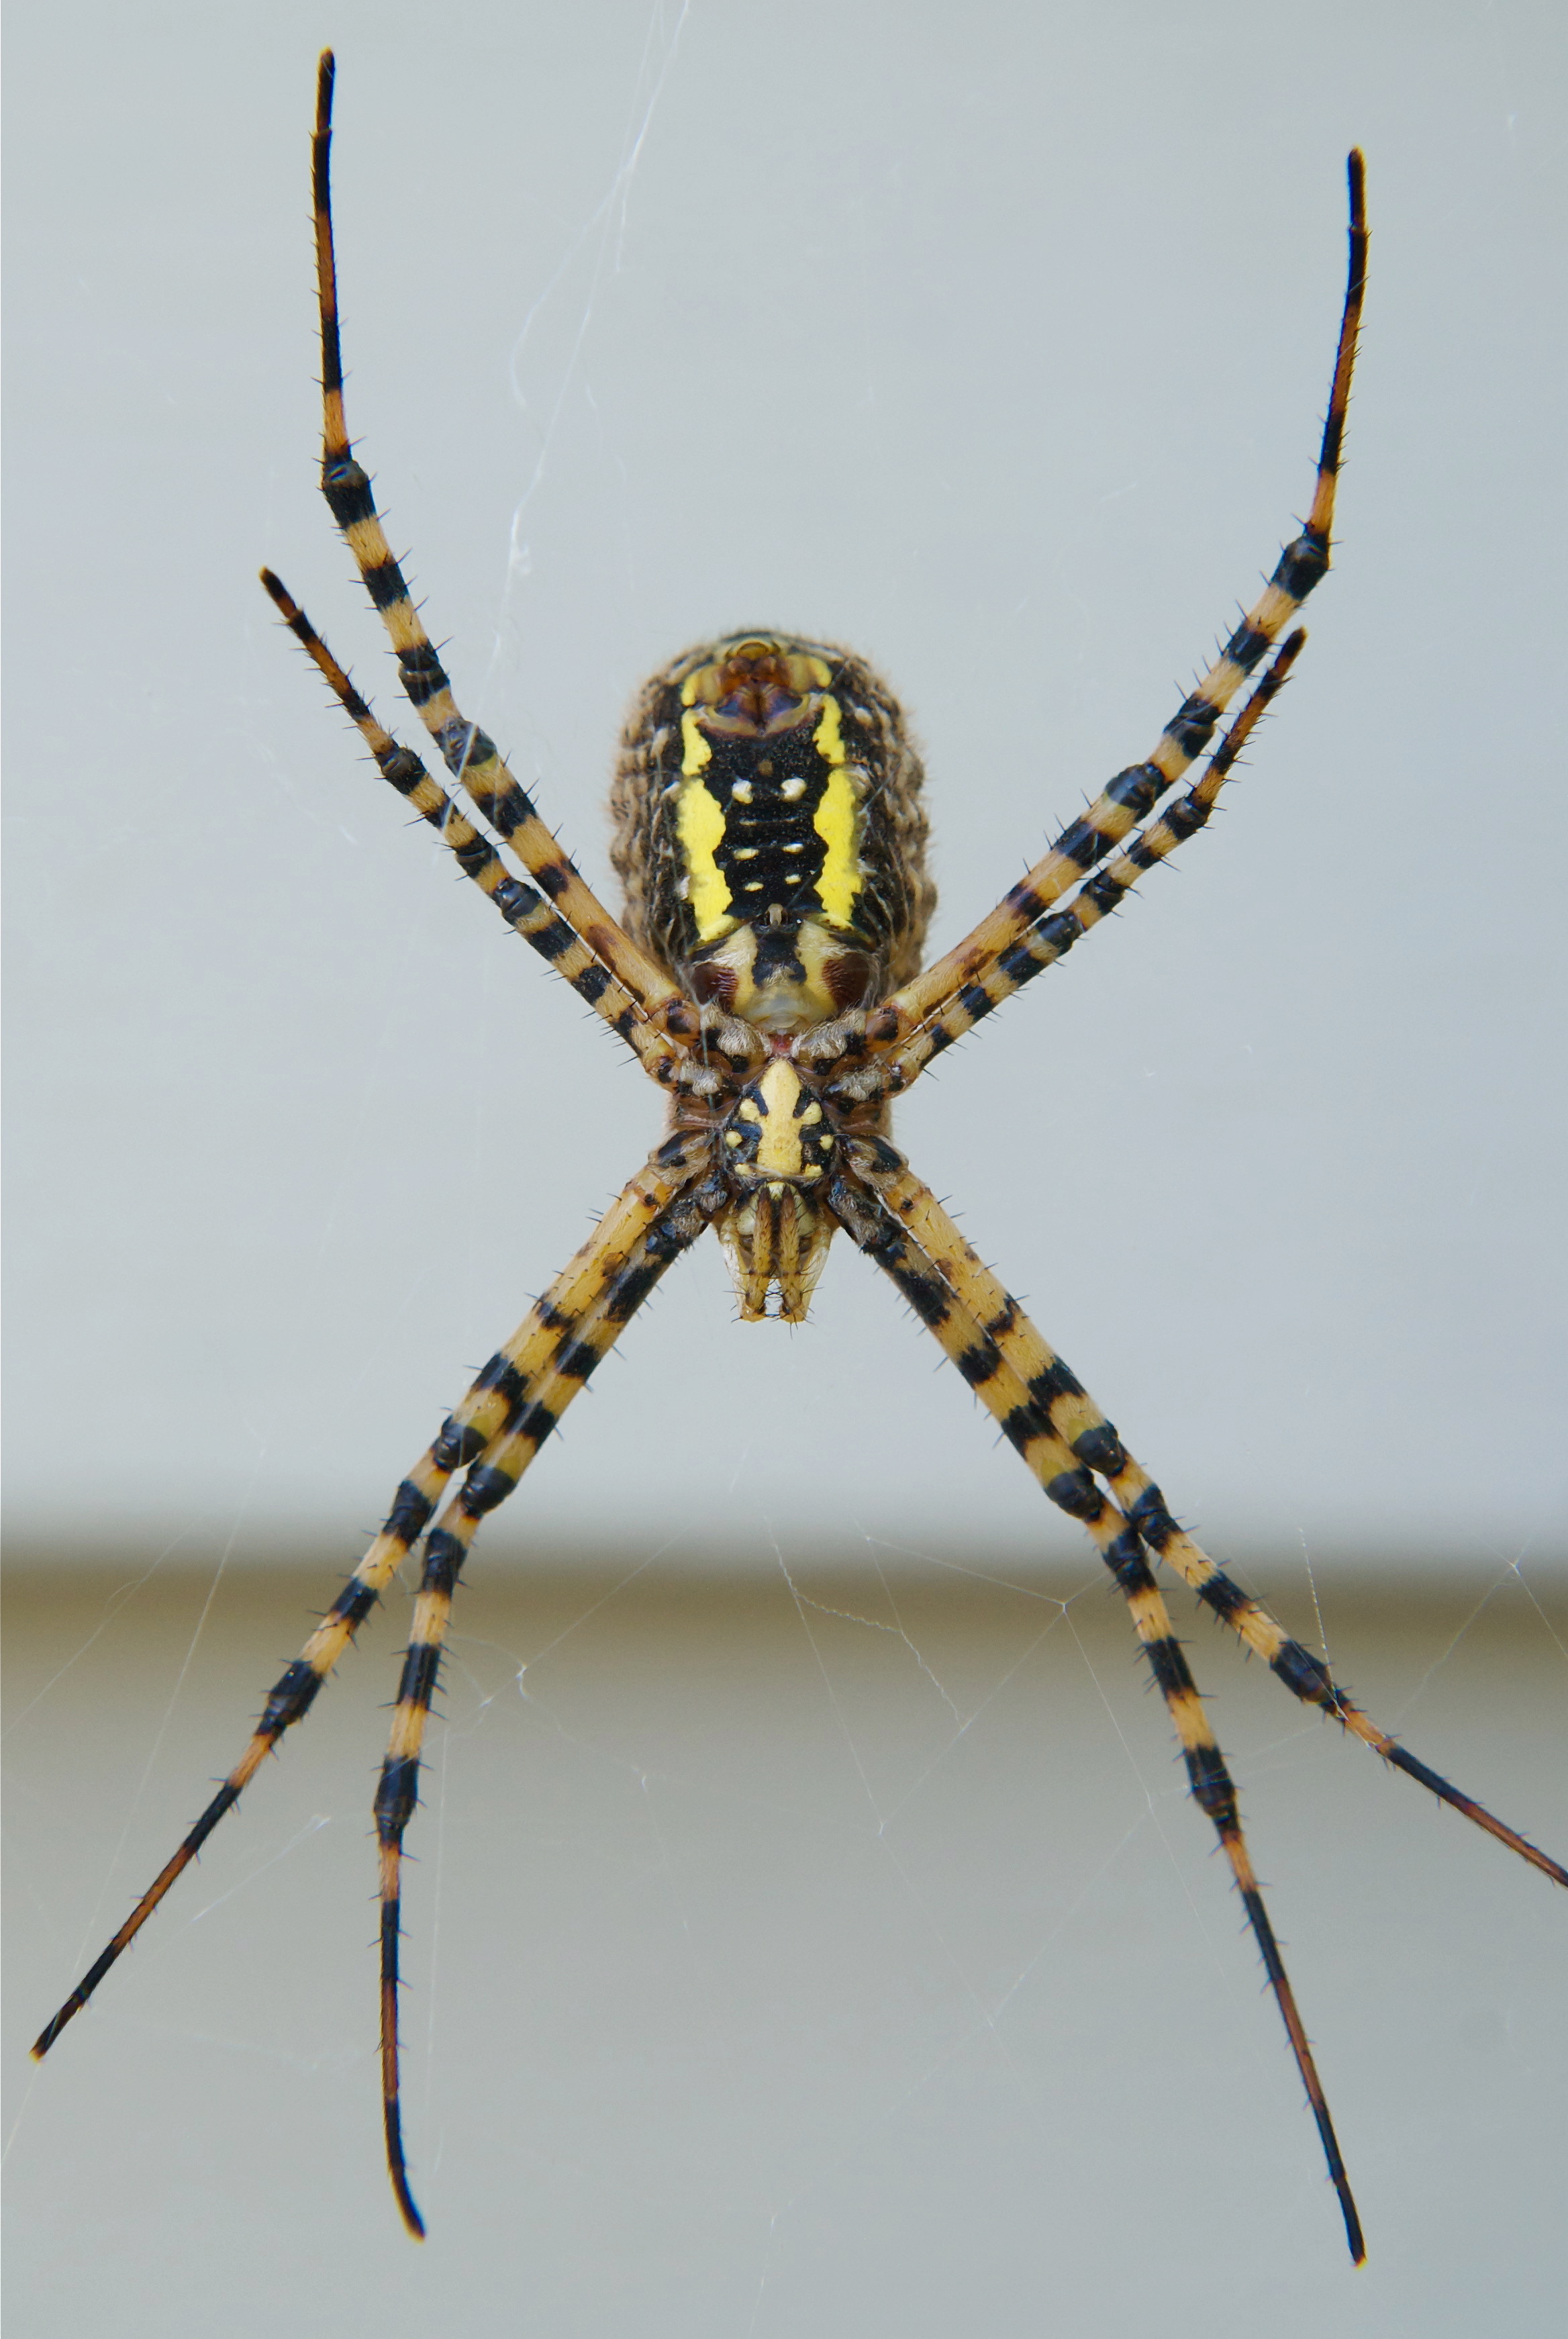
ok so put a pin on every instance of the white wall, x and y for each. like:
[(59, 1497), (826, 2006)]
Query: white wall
[(992, 342)]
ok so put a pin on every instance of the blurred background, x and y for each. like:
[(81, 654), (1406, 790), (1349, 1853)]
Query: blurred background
[(809, 1932)]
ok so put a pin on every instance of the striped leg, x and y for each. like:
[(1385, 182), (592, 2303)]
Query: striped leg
[(1134, 792), (1054, 936), (469, 754), (526, 911), (488, 1409), (1050, 1394), (877, 1221), (535, 1406)]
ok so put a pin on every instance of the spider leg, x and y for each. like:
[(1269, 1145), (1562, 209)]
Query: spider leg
[(469, 754), (535, 1406), (525, 909), (879, 1219), (546, 1333), (1059, 1399), (1096, 898), (1133, 792)]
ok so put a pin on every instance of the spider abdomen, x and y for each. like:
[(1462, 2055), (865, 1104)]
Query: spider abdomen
[(769, 831)]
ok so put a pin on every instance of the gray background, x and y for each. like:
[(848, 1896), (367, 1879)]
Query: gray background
[(996, 346)]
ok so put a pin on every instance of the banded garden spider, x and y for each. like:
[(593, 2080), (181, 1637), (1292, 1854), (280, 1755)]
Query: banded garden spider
[(766, 976)]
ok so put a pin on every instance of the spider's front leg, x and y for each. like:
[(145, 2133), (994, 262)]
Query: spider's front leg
[(468, 753), (898, 1038)]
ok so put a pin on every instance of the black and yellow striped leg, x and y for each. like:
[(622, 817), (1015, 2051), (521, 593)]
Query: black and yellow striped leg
[(1214, 1789), (1133, 793), (1059, 1399), (490, 1408), (876, 1221), (535, 1408), (469, 754), (1095, 899), (525, 909), (289, 1700)]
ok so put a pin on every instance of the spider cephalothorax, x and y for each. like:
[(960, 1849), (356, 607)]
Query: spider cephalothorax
[(778, 1150), (779, 1145), (771, 842)]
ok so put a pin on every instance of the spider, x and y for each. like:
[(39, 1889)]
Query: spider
[(766, 973)]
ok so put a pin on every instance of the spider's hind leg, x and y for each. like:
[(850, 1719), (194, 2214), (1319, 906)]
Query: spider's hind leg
[(545, 1333), (1059, 1401), (585, 1311), (879, 1208)]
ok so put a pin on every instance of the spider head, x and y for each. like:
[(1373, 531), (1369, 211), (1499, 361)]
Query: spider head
[(779, 1147)]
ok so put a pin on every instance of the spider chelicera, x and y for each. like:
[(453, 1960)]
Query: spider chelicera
[(766, 972)]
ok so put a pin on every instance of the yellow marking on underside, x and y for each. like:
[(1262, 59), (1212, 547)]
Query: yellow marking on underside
[(778, 1147), (700, 825), (834, 822), (696, 748)]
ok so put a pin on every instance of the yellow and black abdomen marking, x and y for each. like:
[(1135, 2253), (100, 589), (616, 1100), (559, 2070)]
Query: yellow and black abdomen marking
[(769, 829)]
